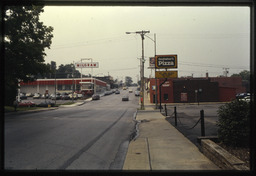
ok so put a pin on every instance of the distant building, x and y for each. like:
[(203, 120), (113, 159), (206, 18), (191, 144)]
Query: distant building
[(86, 85), (190, 90)]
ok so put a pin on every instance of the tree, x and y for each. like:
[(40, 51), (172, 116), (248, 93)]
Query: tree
[(245, 74), (66, 71), (128, 81), (25, 40), (234, 123)]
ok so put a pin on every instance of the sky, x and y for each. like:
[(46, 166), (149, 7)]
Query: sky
[(205, 39)]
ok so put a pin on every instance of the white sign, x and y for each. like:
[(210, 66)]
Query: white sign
[(87, 65)]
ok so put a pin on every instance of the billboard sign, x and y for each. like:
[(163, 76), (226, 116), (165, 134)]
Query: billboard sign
[(152, 62), (87, 65), (166, 61), (166, 74)]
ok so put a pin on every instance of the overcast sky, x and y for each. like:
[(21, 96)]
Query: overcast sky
[(206, 39)]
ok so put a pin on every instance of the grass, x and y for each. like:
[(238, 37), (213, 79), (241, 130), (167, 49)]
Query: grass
[(11, 108)]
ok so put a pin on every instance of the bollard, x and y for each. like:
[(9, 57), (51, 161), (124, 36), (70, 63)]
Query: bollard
[(165, 109), (175, 115), (202, 123)]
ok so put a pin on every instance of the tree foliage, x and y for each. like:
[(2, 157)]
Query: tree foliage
[(233, 124), (66, 71), (245, 74), (128, 81), (25, 40)]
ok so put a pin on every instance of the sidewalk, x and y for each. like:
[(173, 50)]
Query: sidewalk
[(159, 146)]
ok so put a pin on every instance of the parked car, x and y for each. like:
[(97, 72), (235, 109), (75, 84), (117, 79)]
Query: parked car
[(125, 98), (117, 92), (53, 96), (23, 96), (124, 88), (45, 96), (27, 104), (46, 103), (137, 93), (36, 96), (29, 95), (95, 97), (75, 96), (247, 98), (242, 95), (64, 96), (130, 90)]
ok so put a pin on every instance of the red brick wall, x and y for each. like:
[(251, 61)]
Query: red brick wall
[(227, 94)]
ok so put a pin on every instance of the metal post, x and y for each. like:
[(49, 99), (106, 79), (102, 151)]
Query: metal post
[(165, 109), (142, 71), (202, 123), (175, 115), (55, 87)]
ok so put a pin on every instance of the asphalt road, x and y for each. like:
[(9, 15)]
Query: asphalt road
[(93, 136), (189, 114)]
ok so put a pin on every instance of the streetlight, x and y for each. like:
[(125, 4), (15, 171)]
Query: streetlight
[(142, 34), (154, 40)]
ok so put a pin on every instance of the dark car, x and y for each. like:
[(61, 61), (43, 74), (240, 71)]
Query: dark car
[(95, 97), (64, 96), (242, 95), (46, 104), (27, 104), (23, 96), (125, 98)]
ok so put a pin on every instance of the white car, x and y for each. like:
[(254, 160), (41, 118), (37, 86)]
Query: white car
[(247, 99), (130, 91)]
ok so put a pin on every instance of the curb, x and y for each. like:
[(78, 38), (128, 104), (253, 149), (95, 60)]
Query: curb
[(221, 157)]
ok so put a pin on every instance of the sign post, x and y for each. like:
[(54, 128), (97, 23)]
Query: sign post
[(165, 62)]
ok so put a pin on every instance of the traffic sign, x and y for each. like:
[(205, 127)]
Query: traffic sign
[(166, 61), (166, 74)]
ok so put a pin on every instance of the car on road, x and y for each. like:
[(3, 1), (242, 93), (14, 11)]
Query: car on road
[(137, 93), (95, 97), (125, 98), (27, 104), (37, 96), (117, 92), (124, 88), (130, 90)]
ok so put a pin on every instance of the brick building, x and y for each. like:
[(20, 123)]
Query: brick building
[(189, 90)]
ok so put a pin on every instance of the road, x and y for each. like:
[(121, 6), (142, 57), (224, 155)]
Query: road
[(93, 136), (189, 114)]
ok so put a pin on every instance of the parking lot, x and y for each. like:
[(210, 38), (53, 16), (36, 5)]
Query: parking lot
[(188, 122)]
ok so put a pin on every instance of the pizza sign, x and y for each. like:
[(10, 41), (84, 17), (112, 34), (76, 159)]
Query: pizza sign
[(166, 61)]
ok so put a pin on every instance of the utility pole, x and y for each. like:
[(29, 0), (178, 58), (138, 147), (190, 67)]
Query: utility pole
[(142, 34)]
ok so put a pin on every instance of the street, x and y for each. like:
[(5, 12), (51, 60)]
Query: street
[(93, 136)]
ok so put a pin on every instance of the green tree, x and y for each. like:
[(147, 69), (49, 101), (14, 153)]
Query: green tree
[(66, 71), (234, 123), (245, 74), (128, 81), (25, 40)]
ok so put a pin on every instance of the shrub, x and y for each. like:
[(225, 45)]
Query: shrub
[(234, 123)]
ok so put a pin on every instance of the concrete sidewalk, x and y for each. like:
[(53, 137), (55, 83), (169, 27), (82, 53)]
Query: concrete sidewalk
[(160, 146)]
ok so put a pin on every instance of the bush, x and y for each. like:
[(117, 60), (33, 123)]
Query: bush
[(234, 123)]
